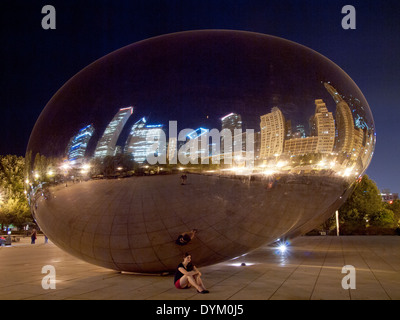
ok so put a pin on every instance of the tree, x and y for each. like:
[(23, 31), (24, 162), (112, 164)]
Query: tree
[(365, 208), (14, 207), (109, 165), (365, 198), (15, 212), (383, 218), (395, 208)]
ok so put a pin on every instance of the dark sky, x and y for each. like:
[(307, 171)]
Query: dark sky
[(35, 63)]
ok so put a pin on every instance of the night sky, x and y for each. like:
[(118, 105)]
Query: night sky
[(35, 63)]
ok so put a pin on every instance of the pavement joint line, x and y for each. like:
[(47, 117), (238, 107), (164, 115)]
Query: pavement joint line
[(309, 267), (382, 258), (320, 269), (240, 289), (344, 260), (371, 270), (298, 265)]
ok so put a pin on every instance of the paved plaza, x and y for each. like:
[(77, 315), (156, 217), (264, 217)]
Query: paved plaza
[(310, 269)]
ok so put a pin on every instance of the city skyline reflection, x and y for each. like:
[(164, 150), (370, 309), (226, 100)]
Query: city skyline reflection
[(337, 145)]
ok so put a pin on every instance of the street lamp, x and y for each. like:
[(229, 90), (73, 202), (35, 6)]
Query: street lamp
[(65, 167), (86, 167), (337, 222)]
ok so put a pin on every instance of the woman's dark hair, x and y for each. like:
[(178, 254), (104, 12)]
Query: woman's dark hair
[(189, 267)]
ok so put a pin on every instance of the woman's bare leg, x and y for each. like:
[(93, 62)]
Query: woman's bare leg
[(199, 282), (184, 282)]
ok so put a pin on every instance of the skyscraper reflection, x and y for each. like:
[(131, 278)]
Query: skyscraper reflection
[(107, 143), (141, 139), (76, 149)]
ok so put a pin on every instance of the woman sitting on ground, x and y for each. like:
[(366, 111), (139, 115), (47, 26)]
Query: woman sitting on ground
[(187, 275)]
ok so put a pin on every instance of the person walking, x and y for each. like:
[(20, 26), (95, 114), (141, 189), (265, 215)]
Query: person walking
[(33, 236)]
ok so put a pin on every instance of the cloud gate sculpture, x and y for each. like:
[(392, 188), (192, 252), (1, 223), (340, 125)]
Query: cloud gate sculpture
[(242, 136)]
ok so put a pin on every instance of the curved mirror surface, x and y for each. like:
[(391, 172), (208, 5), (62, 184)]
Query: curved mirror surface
[(241, 137)]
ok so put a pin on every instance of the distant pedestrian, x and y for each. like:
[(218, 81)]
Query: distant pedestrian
[(33, 236), (2, 241), (183, 178)]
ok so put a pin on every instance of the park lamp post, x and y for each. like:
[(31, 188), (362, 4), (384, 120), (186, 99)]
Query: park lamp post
[(85, 169), (337, 222), (65, 167), (51, 175)]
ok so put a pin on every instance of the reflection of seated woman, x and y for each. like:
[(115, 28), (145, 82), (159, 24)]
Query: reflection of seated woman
[(185, 237), (187, 275)]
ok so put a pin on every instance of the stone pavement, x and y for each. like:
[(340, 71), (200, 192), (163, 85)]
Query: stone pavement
[(310, 269)]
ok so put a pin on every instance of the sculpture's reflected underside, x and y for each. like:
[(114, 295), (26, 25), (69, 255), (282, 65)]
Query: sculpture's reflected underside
[(132, 224), (270, 135)]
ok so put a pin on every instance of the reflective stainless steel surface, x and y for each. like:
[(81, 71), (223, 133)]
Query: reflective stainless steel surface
[(270, 135)]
